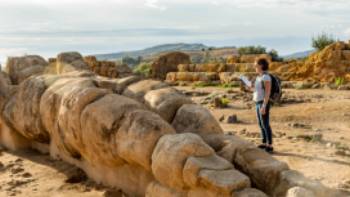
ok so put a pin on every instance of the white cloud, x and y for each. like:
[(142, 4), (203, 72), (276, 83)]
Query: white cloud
[(110, 25), (347, 32), (154, 4), (8, 52), (260, 3), (12, 51), (214, 2)]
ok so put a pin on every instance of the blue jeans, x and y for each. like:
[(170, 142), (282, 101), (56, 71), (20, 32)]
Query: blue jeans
[(264, 123)]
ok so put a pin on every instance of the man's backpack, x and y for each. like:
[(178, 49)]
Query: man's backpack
[(276, 89)]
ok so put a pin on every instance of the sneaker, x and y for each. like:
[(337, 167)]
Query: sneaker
[(262, 146), (269, 149)]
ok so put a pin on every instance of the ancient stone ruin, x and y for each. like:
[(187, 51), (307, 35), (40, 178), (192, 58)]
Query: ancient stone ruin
[(107, 68), (141, 136), (324, 66), (168, 63), (19, 69), (209, 72)]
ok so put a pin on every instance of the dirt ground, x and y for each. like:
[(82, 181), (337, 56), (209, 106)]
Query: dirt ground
[(311, 128), (30, 173)]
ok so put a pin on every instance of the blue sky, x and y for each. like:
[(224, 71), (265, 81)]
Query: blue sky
[(47, 27)]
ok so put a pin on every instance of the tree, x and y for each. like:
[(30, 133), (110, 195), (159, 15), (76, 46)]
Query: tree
[(143, 69), (131, 61), (274, 56), (207, 57), (321, 41), (197, 59), (248, 50)]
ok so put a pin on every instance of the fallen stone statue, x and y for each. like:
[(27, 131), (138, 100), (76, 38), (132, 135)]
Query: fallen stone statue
[(138, 135)]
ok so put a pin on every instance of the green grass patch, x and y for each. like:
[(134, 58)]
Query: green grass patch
[(339, 81), (143, 69), (202, 84), (230, 85), (225, 101)]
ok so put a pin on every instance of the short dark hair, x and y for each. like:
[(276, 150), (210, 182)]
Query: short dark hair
[(263, 63)]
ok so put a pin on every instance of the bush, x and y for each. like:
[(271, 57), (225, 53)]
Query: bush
[(220, 102), (143, 69), (322, 40), (311, 137), (202, 84), (207, 57), (274, 55), (131, 61), (248, 50), (339, 81), (225, 101), (197, 59)]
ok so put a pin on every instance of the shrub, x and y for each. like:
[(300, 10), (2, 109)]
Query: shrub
[(311, 137), (274, 55), (131, 61), (339, 81), (197, 59), (207, 57), (220, 102), (143, 69), (225, 101), (321, 41), (248, 50), (202, 84)]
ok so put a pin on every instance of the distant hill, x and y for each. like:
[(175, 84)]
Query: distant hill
[(299, 55), (196, 51), (153, 51)]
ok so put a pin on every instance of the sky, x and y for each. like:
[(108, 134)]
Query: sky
[(47, 27)]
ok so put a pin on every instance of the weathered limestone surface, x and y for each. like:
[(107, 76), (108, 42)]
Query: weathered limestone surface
[(210, 67), (138, 90), (5, 88), (195, 119), (141, 136), (171, 154), (20, 68), (301, 184), (168, 63), (299, 192), (70, 61), (166, 102), (192, 76), (107, 68)]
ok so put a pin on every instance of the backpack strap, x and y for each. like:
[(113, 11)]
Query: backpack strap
[(262, 81)]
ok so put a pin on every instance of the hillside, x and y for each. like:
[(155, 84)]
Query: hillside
[(298, 55), (154, 51)]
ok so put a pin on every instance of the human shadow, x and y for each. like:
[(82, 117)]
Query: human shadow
[(277, 154), (73, 174)]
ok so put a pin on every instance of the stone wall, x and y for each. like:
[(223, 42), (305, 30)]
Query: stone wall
[(107, 68), (168, 63), (326, 66), (215, 71)]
